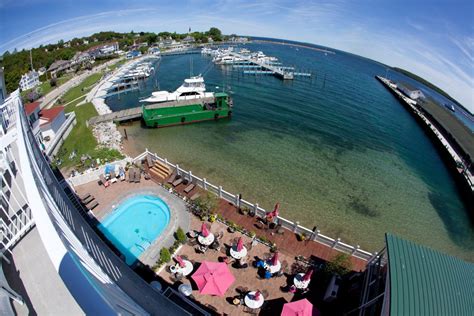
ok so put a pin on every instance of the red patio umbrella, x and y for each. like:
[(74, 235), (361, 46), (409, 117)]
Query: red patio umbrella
[(213, 278), (240, 244), (180, 261), (274, 259), (307, 275), (204, 230), (257, 295), (299, 308), (276, 209)]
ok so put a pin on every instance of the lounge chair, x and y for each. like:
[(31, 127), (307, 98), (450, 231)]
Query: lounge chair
[(177, 182), (195, 196), (88, 200), (92, 206), (189, 188), (103, 181), (84, 196), (138, 175), (131, 175), (173, 178)]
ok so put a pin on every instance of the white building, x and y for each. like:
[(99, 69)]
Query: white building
[(53, 261), (412, 94), (29, 80)]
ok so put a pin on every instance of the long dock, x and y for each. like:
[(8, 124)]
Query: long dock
[(456, 162), (136, 113)]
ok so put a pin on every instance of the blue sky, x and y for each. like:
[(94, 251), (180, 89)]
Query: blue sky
[(434, 39)]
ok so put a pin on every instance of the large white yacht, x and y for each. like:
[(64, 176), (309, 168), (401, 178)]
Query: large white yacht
[(192, 88)]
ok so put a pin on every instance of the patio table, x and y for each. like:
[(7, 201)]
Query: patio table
[(186, 270), (251, 302), (206, 241), (238, 254), (299, 282), (272, 268)]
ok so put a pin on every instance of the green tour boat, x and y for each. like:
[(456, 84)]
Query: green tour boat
[(190, 103)]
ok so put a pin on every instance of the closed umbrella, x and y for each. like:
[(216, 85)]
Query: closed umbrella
[(240, 244), (307, 275), (299, 308), (274, 259), (276, 210), (204, 230), (213, 278), (257, 295), (180, 261)]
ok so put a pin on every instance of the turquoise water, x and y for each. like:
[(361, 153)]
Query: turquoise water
[(337, 151), (135, 224)]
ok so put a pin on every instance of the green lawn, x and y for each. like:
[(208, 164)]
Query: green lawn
[(79, 90), (82, 141)]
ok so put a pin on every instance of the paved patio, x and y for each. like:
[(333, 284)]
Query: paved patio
[(109, 198), (243, 277)]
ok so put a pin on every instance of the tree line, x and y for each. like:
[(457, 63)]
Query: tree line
[(17, 63)]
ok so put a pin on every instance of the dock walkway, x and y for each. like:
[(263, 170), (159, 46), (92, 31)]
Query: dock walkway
[(412, 105), (268, 68), (136, 113)]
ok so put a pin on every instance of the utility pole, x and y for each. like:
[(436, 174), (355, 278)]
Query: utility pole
[(31, 59)]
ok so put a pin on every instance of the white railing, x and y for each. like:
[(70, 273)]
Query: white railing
[(316, 236)]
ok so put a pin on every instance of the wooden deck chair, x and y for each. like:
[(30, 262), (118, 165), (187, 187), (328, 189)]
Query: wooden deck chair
[(189, 188), (93, 205), (177, 182)]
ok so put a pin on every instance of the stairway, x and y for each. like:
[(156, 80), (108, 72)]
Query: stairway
[(160, 170)]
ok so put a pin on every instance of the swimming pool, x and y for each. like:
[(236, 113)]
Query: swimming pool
[(135, 224)]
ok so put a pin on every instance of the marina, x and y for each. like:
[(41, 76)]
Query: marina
[(257, 63)]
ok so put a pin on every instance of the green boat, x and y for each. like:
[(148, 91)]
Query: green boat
[(190, 103)]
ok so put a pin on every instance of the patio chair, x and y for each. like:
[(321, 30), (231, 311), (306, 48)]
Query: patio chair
[(103, 181), (93, 205), (84, 196), (189, 188), (177, 182), (131, 175), (192, 242), (138, 175), (220, 235), (88, 200), (173, 178)]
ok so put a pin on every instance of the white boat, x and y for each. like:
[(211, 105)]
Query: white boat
[(192, 88)]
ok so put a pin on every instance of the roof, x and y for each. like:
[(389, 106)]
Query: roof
[(424, 281), (50, 114), (31, 107), (57, 64)]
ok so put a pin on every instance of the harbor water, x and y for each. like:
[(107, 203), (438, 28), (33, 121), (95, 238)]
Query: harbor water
[(338, 151)]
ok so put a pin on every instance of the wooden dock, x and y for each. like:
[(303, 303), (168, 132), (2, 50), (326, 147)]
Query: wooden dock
[(136, 113), (285, 73)]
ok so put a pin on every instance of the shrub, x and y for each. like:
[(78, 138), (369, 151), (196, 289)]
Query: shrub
[(302, 237), (208, 202), (212, 218), (165, 255), (340, 264), (180, 235), (53, 82)]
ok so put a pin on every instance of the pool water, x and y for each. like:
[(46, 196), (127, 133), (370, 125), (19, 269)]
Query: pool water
[(135, 224)]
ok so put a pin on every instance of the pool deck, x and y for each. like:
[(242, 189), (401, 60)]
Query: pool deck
[(109, 198)]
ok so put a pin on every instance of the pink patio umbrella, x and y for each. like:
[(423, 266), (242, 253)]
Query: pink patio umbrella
[(204, 230), (240, 244), (274, 259), (180, 261), (307, 275), (299, 308), (274, 213), (213, 278)]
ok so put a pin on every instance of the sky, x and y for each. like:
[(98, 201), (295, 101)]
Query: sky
[(432, 38)]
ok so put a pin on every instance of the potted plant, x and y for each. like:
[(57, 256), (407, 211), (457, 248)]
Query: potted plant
[(252, 234), (302, 237), (212, 217), (231, 227), (273, 248), (244, 210)]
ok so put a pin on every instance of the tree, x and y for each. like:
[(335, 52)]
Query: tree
[(340, 264), (215, 33), (152, 38)]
